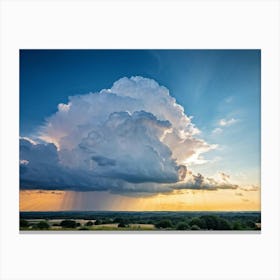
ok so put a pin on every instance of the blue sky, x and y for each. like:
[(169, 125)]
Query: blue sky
[(219, 88)]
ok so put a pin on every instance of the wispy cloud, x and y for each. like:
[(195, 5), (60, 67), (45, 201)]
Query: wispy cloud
[(229, 99), (239, 194), (225, 177), (223, 123), (250, 189), (217, 130), (227, 122)]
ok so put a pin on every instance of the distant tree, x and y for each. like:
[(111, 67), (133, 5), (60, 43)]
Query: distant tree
[(211, 222), (23, 223), (198, 222), (106, 221), (117, 220), (164, 224), (98, 222), (182, 226), (89, 223), (251, 225), (122, 224), (224, 224), (42, 225), (68, 224), (237, 226), (195, 227)]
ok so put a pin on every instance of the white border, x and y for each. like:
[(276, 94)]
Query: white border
[(135, 24)]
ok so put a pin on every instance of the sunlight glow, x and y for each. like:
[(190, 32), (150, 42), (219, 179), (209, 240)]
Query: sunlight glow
[(181, 200)]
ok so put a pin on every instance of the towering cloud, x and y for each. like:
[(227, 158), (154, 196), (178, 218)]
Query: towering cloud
[(133, 136)]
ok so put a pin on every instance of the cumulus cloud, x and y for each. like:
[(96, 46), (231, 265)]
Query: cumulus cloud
[(199, 182), (132, 137), (127, 146), (42, 169)]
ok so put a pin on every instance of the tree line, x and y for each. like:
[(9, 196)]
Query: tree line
[(203, 222)]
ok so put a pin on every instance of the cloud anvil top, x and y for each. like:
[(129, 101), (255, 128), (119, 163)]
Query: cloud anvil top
[(163, 130)]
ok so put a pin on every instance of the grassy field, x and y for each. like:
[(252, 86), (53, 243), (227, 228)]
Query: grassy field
[(113, 226)]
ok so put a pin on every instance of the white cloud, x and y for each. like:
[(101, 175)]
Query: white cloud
[(29, 140), (88, 112), (223, 123), (64, 107), (23, 162), (227, 122), (133, 136)]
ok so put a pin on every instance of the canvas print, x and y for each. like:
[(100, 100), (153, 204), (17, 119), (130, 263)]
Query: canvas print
[(140, 140)]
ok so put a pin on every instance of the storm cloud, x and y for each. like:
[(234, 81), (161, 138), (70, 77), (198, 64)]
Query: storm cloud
[(133, 137)]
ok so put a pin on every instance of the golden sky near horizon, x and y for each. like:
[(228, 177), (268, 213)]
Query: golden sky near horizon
[(200, 200)]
